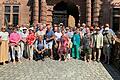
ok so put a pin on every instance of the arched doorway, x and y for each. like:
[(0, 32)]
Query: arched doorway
[(62, 10)]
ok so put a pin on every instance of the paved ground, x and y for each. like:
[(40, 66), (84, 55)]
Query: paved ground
[(54, 70)]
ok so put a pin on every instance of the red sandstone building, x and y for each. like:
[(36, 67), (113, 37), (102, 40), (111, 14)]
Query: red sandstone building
[(58, 11)]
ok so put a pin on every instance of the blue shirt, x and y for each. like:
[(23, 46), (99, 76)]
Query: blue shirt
[(110, 30), (49, 34)]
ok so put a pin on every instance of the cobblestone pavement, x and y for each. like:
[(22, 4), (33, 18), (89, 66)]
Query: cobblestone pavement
[(54, 70)]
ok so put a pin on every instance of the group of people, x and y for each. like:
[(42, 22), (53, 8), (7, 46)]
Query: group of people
[(57, 42)]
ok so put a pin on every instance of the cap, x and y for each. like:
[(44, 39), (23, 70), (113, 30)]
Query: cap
[(106, 25), (83, 24), (67, 28)]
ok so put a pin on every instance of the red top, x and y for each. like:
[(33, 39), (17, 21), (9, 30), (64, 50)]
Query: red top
[(31, 38)]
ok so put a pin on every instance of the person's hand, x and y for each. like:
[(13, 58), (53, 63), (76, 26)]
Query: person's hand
[(47, 39), (39, 52), (100, 46)]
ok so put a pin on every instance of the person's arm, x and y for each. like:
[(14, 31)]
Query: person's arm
[(101, 44), (35, 46)]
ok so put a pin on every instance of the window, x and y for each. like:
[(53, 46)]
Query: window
[(116, 11), (7, 14), (7, 9), (116, 23), (15, 9), (116, 19), (15, 19), (7, 18)]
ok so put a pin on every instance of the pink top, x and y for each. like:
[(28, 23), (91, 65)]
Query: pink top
[(15, 38), (64, 41)]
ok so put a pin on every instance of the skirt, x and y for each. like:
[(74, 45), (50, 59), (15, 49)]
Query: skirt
[(4, 51)]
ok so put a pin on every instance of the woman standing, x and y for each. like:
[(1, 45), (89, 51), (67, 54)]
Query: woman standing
[(30, 41), (87, 46), (63, 46), (4, 45), (76, 45)]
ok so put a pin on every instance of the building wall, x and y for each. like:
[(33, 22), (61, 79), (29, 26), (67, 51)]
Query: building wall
[(24, 11), (1, 13), (80, 3)]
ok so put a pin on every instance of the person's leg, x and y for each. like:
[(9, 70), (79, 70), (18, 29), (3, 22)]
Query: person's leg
[(65, 54), (94, 53), (77, 52), (73, 52), (22, 49), (104, 52), (90, 58), (99, 54), (19, 53), (60, 56), (85, 57), (31, 52), (13, 53), (28, 51), (51, 51), (108, 54)]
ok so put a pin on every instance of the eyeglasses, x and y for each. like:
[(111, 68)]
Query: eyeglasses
[(3, 28)]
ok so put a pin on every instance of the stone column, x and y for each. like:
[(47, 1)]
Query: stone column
[(43, 15), (36, 11), (88, 12), (96, 12)]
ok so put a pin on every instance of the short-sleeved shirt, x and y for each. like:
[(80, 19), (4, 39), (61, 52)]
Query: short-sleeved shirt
[(49, 34), (4, 35), (58, 35)]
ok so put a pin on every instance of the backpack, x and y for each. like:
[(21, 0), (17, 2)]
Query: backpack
[(107, 36)]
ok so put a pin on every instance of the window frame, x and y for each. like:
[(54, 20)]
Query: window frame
[(11, 13)]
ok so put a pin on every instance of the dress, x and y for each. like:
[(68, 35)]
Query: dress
[(4, 46), (87, 44), (64, 44)]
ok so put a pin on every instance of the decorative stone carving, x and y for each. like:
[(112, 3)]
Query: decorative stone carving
[(88, 12), (96, 12), (36, 11)]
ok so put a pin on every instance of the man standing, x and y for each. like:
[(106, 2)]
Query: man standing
[(97, 43), (15, 39), (108, 37), (49, 39)]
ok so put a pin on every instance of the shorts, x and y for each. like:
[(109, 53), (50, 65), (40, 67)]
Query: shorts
[(49, 45), (87, 51)]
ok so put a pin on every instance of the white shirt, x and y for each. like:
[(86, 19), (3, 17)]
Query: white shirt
[(58, 35)]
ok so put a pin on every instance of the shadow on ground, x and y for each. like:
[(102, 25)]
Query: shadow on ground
[(112, 71)]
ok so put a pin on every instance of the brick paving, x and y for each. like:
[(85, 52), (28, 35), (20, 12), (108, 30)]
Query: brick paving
[(55, 70)]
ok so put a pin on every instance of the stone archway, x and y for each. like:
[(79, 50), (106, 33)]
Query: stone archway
[(64, 10)]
